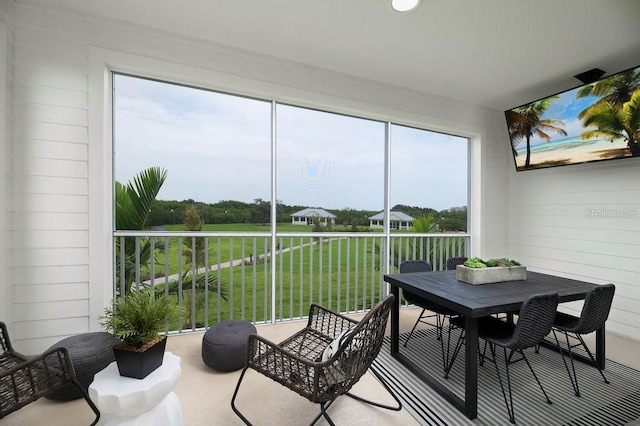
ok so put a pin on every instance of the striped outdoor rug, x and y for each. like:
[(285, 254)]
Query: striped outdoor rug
[(617, 403)]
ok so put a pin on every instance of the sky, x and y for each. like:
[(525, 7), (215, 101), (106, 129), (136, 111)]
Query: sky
[(218, 147), (566, 109)]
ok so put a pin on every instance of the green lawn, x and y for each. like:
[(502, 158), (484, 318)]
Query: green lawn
[(220, 249), (341, 273)]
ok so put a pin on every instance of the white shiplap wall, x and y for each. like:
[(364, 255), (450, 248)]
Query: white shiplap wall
[(57, 210), (582, 221)]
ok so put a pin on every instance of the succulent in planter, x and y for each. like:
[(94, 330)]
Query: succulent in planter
[(138, 319), (478, 271), (477, 263), (502, 262)]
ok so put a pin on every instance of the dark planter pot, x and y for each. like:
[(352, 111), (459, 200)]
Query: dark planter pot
[(140, 364)]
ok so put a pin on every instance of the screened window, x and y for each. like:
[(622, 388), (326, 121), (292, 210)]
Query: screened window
[(329, 168)]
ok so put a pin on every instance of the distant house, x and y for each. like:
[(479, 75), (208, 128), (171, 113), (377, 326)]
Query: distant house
[(310, 216), (398, 220)]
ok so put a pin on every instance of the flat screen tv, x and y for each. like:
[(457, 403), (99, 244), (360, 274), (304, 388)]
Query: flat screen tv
[(593, 122)]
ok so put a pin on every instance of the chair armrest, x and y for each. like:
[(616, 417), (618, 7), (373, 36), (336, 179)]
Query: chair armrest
[(23, 381), (55, 361)]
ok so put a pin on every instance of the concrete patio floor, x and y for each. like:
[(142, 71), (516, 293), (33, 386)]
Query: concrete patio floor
[(205, 394)]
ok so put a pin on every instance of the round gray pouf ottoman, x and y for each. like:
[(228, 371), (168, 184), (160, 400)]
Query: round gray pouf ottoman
[(90, 353), (224, 345)]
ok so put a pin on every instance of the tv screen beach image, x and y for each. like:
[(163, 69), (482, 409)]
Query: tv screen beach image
[(593, 122)]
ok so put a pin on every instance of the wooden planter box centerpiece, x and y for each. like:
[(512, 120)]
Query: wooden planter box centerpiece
[(493, 271)]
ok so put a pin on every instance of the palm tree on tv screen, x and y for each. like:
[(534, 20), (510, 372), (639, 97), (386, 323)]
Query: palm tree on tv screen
[(615, 90), (615, 114), (616, 122), (526, 121)]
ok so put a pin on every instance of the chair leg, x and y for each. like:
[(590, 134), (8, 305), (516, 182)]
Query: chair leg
[(86, 397), (325, 405), (233, 399), (593, 361), (507, 361), (572, 376), (384, 383), (445, 355), (439, 322), (572, 373), (414, 328), (323, 413), (456, 350), (509, 402), (535, 376)]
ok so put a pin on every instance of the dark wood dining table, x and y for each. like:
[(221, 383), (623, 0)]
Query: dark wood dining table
[(475, 301)]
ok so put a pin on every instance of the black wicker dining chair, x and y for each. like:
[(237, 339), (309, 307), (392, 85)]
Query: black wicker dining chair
[(24, 379), (534, 323), (325, 359), (595, 311), (452, 262), (430, 309)]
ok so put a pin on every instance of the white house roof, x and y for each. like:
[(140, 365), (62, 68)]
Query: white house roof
[(313, 213), (395, 216)]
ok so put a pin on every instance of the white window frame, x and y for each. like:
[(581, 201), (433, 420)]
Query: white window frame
[(103, 62)]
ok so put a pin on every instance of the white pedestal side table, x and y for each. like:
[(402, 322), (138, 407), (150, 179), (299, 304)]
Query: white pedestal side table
[(137, 402)]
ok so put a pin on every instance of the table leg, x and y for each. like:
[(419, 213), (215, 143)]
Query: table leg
[(600, 347), (395, 320), (471, 367)]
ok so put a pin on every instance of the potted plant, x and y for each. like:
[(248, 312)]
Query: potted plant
[(478, 271), (137, 319)]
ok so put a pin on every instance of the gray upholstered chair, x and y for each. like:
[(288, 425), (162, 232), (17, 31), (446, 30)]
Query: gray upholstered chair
[(595, 312), (534, 323), (325, 359)]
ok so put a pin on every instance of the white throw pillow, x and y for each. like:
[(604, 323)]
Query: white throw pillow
[(334, 346)]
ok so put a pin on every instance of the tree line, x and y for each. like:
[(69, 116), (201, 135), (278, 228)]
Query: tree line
[(171, 212)]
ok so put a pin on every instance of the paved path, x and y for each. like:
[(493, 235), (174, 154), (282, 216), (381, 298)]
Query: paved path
[(223, 265)]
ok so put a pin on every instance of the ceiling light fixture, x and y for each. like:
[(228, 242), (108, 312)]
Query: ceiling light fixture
[(404, 5)]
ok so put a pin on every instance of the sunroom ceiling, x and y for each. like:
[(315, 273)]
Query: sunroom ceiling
[(496, 53)]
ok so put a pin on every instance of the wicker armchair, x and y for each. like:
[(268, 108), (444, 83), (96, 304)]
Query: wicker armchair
[(325, 359), (24, 380)]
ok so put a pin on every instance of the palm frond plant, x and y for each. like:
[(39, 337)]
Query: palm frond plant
[(132, 209), (184, 289), (407, 247), (197, 279), (429, 248), (138, 319)]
